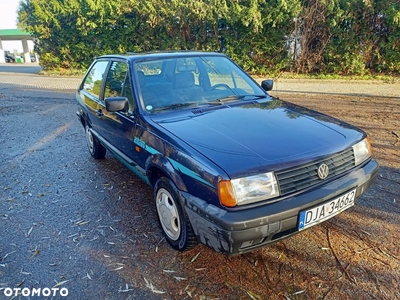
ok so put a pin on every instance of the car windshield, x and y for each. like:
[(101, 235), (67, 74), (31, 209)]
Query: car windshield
[(182, 82)]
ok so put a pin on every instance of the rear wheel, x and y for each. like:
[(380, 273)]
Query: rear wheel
[(96, 149), (173, 219)]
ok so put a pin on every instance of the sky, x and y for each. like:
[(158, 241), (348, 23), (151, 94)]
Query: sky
[(8, 20)]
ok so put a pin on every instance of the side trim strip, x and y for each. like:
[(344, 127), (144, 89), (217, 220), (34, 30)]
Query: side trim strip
[(177, 166)]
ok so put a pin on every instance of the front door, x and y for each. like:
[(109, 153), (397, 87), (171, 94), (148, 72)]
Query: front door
[(118, 128), (90, 92)]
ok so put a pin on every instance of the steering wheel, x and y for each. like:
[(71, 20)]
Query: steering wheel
[(219, 85)]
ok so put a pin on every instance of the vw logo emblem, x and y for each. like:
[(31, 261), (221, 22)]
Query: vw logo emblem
[(323, 171)]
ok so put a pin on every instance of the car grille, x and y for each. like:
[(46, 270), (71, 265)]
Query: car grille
[(301, 177)]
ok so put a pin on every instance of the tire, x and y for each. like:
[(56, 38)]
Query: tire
[(173, 219), (96, 149)]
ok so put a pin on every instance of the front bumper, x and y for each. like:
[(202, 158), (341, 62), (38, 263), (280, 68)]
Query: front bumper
[(240, 231)]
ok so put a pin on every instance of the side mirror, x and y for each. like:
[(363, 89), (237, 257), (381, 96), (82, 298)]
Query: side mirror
[(114, 104), (267, 85)]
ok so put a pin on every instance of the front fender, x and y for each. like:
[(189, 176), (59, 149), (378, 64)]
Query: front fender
[(164, 165)]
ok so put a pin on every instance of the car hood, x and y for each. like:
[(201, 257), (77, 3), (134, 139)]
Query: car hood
[(258, 137)]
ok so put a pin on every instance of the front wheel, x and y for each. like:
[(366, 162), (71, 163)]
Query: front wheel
[(96, 149), (173, 219)]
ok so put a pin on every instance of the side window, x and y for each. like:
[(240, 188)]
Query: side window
[(128, 92), (94, 79), (115, 79)]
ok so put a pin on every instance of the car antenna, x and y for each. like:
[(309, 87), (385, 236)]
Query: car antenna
[(276, 79)]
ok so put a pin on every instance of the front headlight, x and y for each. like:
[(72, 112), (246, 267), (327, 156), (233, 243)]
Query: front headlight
[(248, 189), (362, 151)]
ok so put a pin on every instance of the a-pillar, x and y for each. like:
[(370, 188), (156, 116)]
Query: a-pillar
[(27, 55), (2, 57)]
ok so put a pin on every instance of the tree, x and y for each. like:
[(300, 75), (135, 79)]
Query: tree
[(364, 37), (263, 36), (256, 33), (69, 33)]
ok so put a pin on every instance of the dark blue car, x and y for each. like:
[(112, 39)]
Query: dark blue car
[(231, 166)]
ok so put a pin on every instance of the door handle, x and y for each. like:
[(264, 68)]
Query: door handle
[(99, 112)]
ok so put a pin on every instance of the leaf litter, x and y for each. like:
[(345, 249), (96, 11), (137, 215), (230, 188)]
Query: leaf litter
[(151, 287), (60, 283)]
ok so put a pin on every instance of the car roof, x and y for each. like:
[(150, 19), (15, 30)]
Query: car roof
[(132, 56)]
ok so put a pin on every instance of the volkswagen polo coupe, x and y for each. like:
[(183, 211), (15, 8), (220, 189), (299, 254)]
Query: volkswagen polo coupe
[(231, 166)]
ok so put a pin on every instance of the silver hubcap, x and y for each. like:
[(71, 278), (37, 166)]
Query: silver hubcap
[(168, 214), (89, 139)]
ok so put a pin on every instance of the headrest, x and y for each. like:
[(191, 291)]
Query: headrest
[(183, 80), (142, 78)]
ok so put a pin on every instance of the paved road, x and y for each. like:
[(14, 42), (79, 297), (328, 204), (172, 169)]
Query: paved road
[(32, 68), (14, 76), (362, 88), (20, 76)]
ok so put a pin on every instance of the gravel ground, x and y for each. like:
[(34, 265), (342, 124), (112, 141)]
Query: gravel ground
[(90, 226)]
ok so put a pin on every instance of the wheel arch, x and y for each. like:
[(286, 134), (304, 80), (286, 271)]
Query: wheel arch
[(83, 118), (158, 166)]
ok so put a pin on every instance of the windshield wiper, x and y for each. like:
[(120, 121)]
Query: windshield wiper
[(226, 99), (231, 98), (176, 105), (257, 96)]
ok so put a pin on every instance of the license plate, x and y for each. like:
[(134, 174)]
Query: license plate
[(325, 211)]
